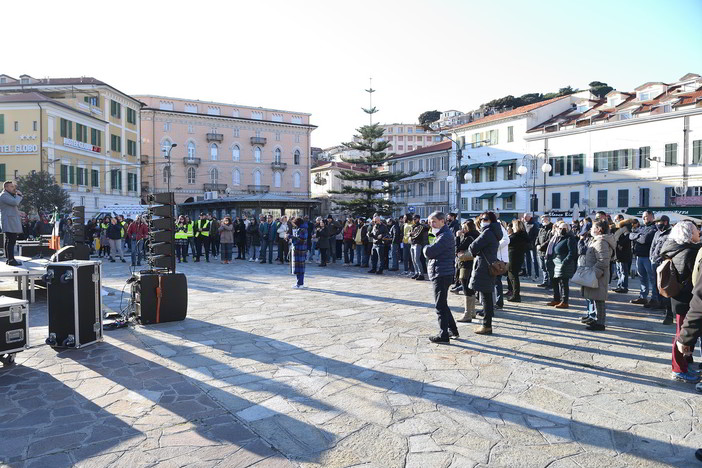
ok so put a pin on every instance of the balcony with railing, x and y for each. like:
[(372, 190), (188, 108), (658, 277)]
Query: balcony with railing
[(218, 137), (280, 166), (215, 187), (191, 161), (258, 188), (258, 140)]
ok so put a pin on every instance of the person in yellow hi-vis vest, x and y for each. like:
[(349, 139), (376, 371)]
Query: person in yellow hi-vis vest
[(181, 239), (191, 236), (202, 237)]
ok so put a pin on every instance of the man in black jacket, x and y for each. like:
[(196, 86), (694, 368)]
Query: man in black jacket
[(542, 240), (659, 238), (376, 235), (623, 253), (395, 234), (642, 239), (453, 224), (440, 258), (532, 229)]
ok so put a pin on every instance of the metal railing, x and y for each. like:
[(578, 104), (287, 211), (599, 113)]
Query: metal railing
[(215, 187), (258, 188), (191, 161), (258, 140), (215, 137)]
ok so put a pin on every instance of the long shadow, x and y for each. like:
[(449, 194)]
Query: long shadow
[(589, 434), (183, 396), (47, 423)]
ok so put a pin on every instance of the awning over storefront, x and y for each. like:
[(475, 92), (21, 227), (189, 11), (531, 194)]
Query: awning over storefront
[(486, 196), (507, 194), (474, 166), (507, 162), (490, 164)]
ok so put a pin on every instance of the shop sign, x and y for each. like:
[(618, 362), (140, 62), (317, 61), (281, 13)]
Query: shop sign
[(19, 149), (80, 145), (694, 211)]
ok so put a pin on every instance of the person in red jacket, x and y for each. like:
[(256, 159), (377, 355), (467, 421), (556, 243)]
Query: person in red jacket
[(137, 232), (349, 242)]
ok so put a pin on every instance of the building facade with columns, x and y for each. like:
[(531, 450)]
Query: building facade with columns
[(224, 150), (81, 130)]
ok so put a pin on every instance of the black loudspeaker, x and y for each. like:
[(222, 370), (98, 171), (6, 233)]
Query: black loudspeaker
[(75, 304), (72, 252), (78, 227), (160, 297), (161, 219), (34, 249)]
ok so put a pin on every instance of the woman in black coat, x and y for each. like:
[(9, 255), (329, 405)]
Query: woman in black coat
[(519, 245), (465, 266), (240, 238), (322, 234), (484, 253), (565, 261)]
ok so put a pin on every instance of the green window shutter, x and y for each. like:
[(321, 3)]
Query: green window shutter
[(71, 175), (569, 164), (93, 136), (696, 151), (552, 162), (2, 172), (99, 138), (94, 178), (70, 128), (64, 174), (2, 123)]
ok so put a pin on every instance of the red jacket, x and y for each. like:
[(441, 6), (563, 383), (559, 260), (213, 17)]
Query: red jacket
[(349, 232), (138, 230)]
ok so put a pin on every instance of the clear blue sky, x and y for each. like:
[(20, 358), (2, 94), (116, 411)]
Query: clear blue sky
[(316, 56)]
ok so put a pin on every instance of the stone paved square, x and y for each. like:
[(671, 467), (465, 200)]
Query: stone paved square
[(341, 375)]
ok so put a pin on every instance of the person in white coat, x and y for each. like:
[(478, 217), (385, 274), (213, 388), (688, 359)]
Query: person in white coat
[(503, 255), (10, 220)]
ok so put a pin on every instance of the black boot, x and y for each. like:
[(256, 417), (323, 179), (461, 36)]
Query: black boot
[(668, 320)]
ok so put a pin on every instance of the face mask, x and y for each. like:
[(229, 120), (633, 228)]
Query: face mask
[(435, 230), (564, 232), (661, 227), (486, 224)]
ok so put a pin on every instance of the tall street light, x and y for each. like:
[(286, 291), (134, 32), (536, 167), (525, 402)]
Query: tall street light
[(168, 164), (545, 168), (467, 177)]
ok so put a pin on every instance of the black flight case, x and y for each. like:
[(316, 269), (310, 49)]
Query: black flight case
[(14, 328)]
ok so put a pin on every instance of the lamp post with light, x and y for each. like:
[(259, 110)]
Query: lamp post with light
[(168, 164), (532, 160), (467, 177)]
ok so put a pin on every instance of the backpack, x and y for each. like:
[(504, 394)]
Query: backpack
[(667, 278)]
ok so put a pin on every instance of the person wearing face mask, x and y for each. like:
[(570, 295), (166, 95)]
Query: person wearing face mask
[(681, 247), (599, 254), (484, 252), (659, 238), (563, 251)]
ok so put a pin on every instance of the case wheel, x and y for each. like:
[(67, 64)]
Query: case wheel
[(7, 359)]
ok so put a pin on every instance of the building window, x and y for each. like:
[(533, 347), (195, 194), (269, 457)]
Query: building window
[(34, 126), (166, 174), (277, 136), (191, 108), (491, 174), (575, 164), (95, 137), (421, 189), (214, 151), (297, 138), (277, 179), (191, 175), (214, 175), (257, 115), (165, 105), (476, 204), (644, 197), (131, 116), (510, 172), (236, 177), (476, 175), (116, 143), (555, 201), (235, 153), (190, 129), (442, 187), (296, 119), (81, 133), (166, 126), (257, 177), (64, 174), (115, 109), (116, 179), (296, 157), (644, 157), (697, 152), (211, 110), (131, 148), (557, 166), (236, 132), (94, 178), (601, 199), (191, 150), (508, 203), (574, 199), (671, 154), (257, 155), (510, 134), (66, 128), (131, 182), (276, 156), (431, 189), (623, 198)]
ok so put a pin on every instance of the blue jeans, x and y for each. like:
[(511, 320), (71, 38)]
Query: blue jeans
[(623, 275), (137, 251), (266, 245), (417, 259), (532, 257), (359, 254), (377, 257), (395, 252), (544, 268), (499, 295), (648, 281), (311, 251), (366, 255), (406, 256), (255, 252)]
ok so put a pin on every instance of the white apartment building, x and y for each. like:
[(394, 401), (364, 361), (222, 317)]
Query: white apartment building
[(493, 148), (635, 150), (408, 137)]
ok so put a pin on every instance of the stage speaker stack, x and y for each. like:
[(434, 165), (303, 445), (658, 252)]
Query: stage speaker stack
[(160, 294), (75, 304), (82, 249)]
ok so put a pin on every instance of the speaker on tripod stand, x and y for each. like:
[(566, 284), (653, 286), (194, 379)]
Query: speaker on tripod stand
[(160, 294)]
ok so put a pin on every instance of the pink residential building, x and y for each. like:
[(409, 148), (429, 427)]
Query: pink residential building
[(225, 151)]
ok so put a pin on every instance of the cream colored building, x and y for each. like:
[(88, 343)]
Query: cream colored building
[(81, 130), (224, 150), (325, 180)]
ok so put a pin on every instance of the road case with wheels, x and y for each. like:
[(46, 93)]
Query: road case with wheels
[(14, 328), (75, 304)]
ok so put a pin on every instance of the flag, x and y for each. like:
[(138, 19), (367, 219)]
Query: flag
[(55, 242)]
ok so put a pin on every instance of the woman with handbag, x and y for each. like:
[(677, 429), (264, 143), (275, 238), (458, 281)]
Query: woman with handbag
[(599, 253), (564, 255), (681, 248), (465, 264), (486, 267), (519, 245)]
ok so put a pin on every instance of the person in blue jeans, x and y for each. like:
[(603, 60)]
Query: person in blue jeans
[(642, 238), (269, 236), (623, 253)]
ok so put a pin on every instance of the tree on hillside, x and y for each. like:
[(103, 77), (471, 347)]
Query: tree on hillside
[(376, 196), (425, 118), (511, 102), (41, 194), (600, 89)]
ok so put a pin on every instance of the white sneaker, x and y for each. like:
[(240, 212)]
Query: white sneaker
[(302, 286)]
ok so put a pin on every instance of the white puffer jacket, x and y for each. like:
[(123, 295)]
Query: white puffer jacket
[(503, 251)]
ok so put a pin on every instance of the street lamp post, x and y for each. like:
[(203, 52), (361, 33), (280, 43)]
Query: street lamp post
[(168, 165), (545, 168), (468, 177)]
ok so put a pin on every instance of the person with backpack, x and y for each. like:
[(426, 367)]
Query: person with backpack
[(600, 251), (678, 258)]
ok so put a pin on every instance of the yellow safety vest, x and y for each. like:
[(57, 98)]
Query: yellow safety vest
[(190, 229), (181, 234), (203, 229), (122, 224)]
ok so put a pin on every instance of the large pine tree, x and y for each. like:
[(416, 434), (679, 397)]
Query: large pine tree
[(377, 196)]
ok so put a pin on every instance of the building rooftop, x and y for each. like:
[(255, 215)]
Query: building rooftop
[(511, 113), (39, 97), (57, 82), (443, 146), (216, 103)]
